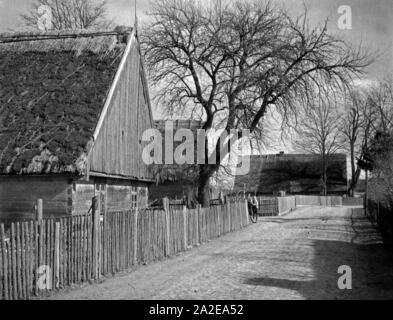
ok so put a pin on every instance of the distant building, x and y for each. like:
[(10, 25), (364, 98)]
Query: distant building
[(173, 180), (292, 173), (73, 110)]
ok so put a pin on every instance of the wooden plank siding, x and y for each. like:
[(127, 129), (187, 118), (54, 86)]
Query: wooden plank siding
[(19, 194), (117, 150), (82, 195), (64, 196), (117, 194)]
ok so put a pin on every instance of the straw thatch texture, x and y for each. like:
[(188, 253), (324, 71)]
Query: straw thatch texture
[(75, 41), (52, 91)]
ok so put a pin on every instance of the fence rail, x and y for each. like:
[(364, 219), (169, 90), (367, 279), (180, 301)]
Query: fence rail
[(274, 206), (319, 201), (37, 257)]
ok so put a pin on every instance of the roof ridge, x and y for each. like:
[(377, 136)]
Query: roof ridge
[(58, 35)]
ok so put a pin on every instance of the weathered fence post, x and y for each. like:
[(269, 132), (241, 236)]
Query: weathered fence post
[(4, 261), (165, 204), (57, 255), (197, 226), (39, 210), (39, 242), (96, 239), (228, 213), (218, 221), (167, 231), (185, 228), (135, 252), (199, 230), (247, 213)]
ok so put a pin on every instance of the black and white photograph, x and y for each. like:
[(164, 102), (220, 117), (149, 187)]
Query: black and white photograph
[(214, 152)]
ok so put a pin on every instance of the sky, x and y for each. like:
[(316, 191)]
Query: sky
[(372, 22)]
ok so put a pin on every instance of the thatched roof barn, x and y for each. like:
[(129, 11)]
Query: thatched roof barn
[(73, 107), (292, 173)]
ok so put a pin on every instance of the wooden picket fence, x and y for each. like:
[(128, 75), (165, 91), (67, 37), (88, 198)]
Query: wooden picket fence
[(38, 257), (268, 206), (330, 201), (286, 204)]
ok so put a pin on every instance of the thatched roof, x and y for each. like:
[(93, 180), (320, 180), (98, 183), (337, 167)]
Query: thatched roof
[(293, 173), (52, 89)]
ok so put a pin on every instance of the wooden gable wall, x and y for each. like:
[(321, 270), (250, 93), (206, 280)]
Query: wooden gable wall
[(117, 150)]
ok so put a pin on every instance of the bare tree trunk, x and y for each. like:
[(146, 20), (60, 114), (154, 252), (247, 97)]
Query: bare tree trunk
[(366, 195), (353, 173), (354, 182), (204, 186), (324, 173), (204, 178), (206, 171)]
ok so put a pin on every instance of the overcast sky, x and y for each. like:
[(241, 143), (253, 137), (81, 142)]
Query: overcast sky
[(372, 21)]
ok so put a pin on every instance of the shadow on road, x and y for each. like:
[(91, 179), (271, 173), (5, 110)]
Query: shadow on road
[(370, 260)]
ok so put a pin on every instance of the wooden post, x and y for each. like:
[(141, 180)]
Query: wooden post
[(135, 252), (197, 226), (57, 255), (167, 232), (165, 203), (185, 227), (4, 261), (218, 222), (247, 214), (39, 210), (96, 230), (228, 209)]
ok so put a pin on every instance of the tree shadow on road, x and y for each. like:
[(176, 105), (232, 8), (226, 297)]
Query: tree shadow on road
[(370, 260)]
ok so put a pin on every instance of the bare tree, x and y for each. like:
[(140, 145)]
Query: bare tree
[(353, 123), (377, 113), (318, 133), (234, 62), (380, 100), (378, 143), (70, 14)]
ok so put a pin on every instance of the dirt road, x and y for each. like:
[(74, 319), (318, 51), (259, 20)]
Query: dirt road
[(291, 257)]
